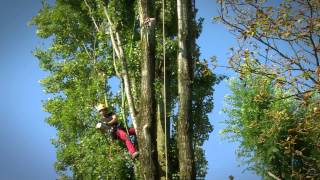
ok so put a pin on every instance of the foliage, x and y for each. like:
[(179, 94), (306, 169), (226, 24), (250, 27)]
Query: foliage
[(273, 108), (75, 64), (79, 62), (276, 134), (202, 104), (283, 36)]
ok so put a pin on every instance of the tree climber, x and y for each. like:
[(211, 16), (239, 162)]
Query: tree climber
[(109, 123)]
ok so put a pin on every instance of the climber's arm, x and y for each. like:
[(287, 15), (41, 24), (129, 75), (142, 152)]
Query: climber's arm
[(113, 121)]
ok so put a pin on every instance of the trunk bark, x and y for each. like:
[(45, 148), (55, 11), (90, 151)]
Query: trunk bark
[(161, 126), (147, 110), (184, 132), (161, 143)]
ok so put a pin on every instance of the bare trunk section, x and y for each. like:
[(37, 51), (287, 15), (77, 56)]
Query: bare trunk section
[(161, 141), (162, 126), (147, 114), (184, 133)]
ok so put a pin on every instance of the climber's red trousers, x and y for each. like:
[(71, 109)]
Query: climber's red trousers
[(121, 134)]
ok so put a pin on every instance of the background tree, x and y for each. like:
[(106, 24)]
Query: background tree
[(283, 36), (277, 93), (276, 135)]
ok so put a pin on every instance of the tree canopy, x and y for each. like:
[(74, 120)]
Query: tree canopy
[(93, 41), (274, 106)]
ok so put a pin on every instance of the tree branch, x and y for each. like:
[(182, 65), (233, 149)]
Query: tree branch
[(93, 19), (116, 43), (273, 176)]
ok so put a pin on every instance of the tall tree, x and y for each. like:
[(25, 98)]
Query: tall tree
[(284, 36), (165, 91), (74, 62), (93, 41), (185, 63), (277, 92), (278, 136), (147, 114)]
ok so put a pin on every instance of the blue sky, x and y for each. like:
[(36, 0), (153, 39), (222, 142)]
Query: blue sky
[(26, 151), (215, 40)]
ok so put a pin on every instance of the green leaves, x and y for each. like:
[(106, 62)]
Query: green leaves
[(279, 35), (79, 62), (76, 82), (46, 61), (272, 130)]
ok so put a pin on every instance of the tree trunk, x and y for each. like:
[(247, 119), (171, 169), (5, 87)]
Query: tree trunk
[(147, 110), (184, 133), (161, 143), (161, 126)]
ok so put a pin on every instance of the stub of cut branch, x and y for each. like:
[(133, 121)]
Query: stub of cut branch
[(273, 176)]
